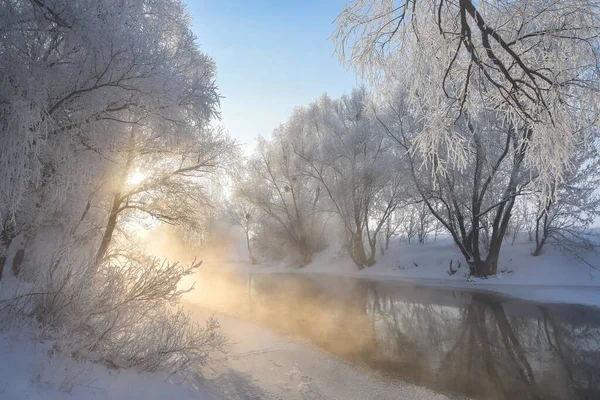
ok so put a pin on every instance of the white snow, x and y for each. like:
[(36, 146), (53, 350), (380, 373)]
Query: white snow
[(552, 277), (30, 370)]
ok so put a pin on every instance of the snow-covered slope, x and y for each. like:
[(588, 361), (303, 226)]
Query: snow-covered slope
[(550, 277)]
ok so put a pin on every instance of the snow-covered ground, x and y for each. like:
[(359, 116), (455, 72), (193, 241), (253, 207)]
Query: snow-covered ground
[(30, 370), (551, 277)]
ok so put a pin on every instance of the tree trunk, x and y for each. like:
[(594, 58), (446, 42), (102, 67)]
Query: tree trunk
[(373, 248), (357, 252), (6, 239), (484, 268), (110, 229), (387, 234), (305, 250), (18, 261), (499, 227), (540, 240), (252, 259), (538, 247), (117, 201)]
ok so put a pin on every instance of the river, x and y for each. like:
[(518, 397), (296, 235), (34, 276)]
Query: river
[(459, 342)]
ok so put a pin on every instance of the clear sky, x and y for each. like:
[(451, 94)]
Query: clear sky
[(271, 57)]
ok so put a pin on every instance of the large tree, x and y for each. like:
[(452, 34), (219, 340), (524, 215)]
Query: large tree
[(76, 76), (473, 197), (165, 181), (96, 92), (105, 115), (534, 62)]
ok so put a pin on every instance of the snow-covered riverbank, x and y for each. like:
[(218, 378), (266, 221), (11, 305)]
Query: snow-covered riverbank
[(260, 364), (552, 277), (30, 370)]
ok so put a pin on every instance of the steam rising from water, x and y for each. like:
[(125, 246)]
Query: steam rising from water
[(468, 343)]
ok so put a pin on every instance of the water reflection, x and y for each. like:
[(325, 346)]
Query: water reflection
[(473, 344)]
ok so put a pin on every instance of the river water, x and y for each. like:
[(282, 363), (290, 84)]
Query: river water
[(466, 343)]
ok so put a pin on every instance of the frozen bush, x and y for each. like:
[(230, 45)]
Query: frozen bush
[(121, 314)]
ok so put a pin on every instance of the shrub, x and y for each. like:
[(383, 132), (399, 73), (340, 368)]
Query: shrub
[(121, 313)]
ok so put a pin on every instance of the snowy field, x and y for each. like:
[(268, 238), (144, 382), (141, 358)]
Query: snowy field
[(31, 369), (552, 277)]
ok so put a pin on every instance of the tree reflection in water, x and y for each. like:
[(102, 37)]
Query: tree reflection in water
[(468, 343)]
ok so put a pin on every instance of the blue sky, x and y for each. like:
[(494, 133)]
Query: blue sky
[(271, 57)]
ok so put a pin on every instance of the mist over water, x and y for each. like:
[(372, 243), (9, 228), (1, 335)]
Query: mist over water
[(467, 343)]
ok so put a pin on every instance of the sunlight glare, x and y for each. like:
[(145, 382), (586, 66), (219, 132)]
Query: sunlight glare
[(136, 177)]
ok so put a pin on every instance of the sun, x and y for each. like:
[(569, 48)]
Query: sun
[(136, 177)]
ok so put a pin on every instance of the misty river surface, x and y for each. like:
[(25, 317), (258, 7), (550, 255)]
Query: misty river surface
[(461, 342)]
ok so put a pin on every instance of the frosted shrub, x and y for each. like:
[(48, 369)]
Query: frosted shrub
[(121, 314)]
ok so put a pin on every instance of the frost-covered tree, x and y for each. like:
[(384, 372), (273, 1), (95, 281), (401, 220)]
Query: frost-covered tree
[(349, 154), (73, 73), (165, 180), (473, 198), (426, 222), (564, 221), (409, 223), (287, 199), (393, 226), (533, 62), (523, 219), (75, 77), (105, 108)]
